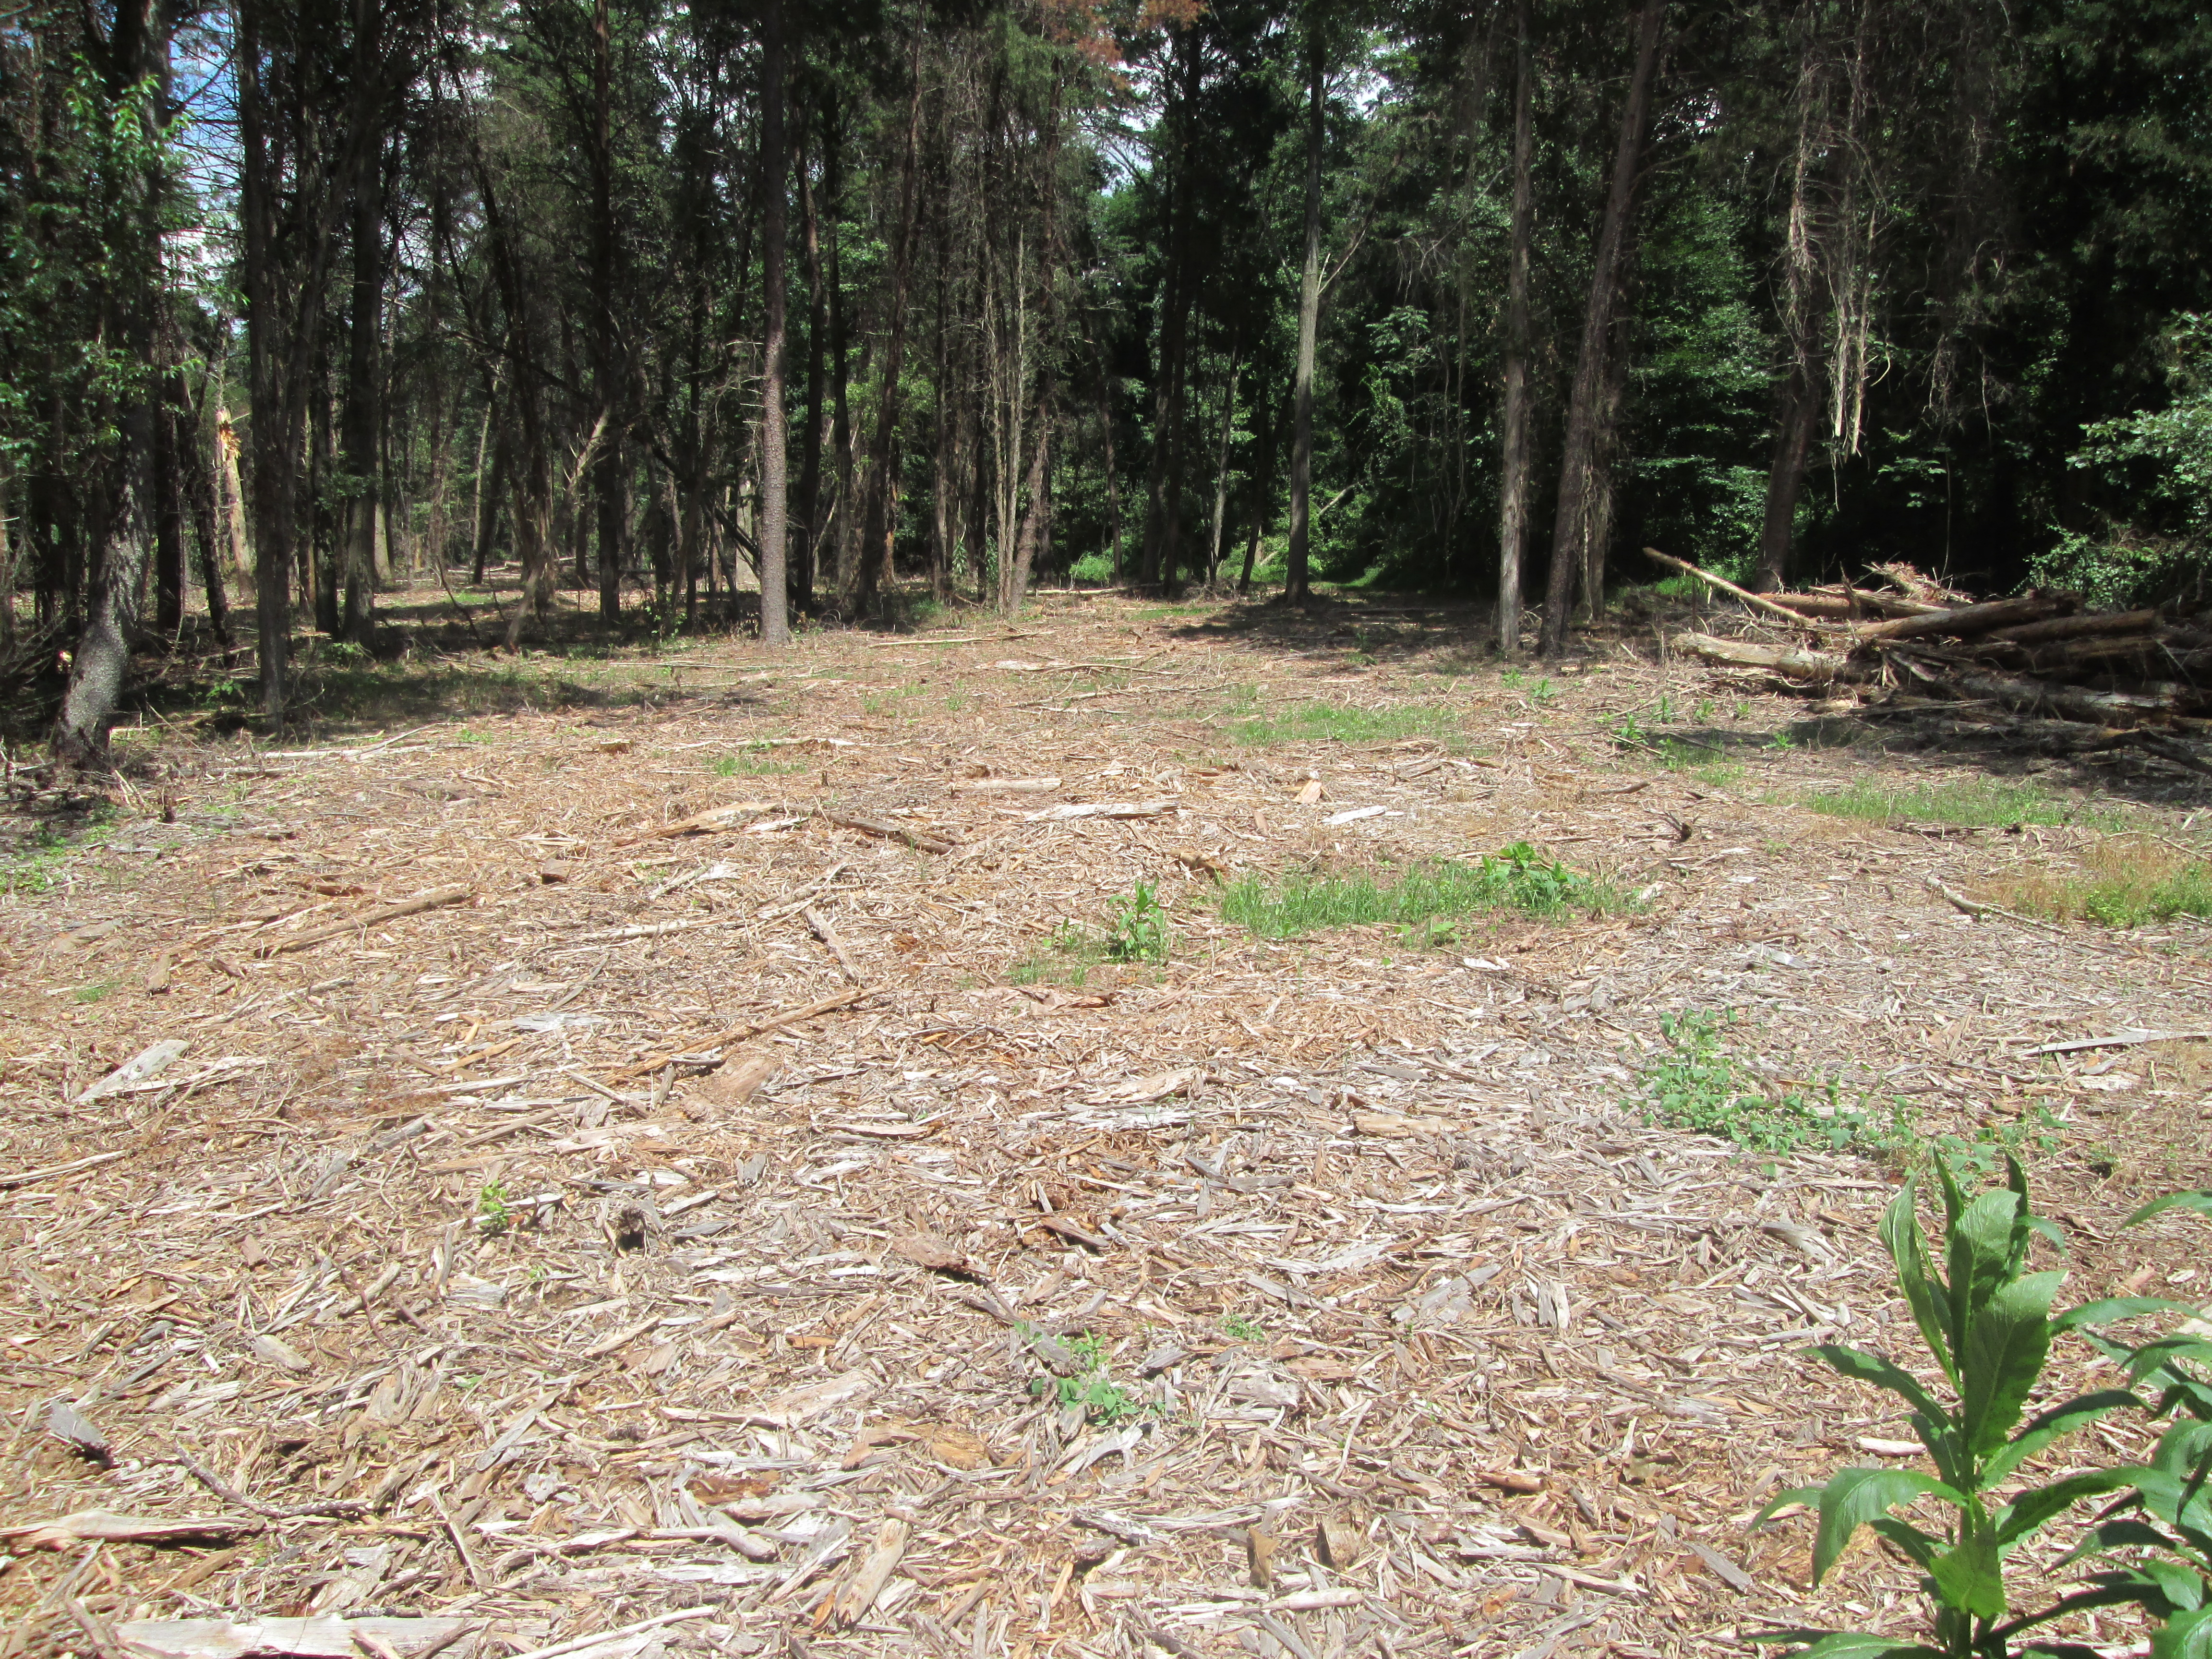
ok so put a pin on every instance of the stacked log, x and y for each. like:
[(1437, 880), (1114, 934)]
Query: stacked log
[(2040, 654)]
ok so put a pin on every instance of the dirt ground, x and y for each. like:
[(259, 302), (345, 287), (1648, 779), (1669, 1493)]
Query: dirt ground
[(1344, 1229)]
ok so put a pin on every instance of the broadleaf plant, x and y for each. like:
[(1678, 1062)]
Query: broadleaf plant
[(1987, 1323)]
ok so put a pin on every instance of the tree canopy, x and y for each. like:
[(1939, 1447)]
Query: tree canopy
[(753, 315)]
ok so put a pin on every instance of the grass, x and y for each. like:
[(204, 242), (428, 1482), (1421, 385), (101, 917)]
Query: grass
[(2124, 881), (1420, 898), (36, 866), (1329, 722), (1702, 1085), (754, 765), (1977, 803)]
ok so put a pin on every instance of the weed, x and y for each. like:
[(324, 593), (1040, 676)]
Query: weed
[(1987, 1324), (1139, 932), (754, 765), (1237, 1328), (98, 991), (1978, 802), (1705, 709), (1421, 895), (2124, 882), (1702, 1087), (1066, 958), (1696, 760), (1544, 692), (493, 1213), (1330, 722), (1101, 1399), (1782, 740)]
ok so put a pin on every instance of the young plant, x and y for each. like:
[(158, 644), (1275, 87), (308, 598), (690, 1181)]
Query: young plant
[(1140, 929), (1987, 1323)]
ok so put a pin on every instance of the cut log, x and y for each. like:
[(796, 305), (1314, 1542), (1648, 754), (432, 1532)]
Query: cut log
[(1853, 602), (2120, 708), (1792, 662), (2097, 622), (1969, 620), (1721, 583)]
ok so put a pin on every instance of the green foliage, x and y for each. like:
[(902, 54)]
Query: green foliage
[(1419, 896), (494, 1213), (1091, 1388), (1237, 1328), (1983, 803), (1139, 930), (1331, 722), (1986, 1322), (1701, 1087)]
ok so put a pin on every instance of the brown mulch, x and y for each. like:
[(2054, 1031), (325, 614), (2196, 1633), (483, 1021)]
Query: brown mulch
[(523, 1260)]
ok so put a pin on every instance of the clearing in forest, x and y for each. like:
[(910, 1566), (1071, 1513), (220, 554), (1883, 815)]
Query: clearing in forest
[(1171, 1125)]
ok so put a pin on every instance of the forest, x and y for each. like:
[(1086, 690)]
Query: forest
[(766, 315)]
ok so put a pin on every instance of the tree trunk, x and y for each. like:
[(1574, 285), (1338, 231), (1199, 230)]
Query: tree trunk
[(200, 474), (610, 476), (775, 458), (1513, 479), (1112, 487), (365, 342), (1578, 465), (873, 566), (1261, 490), (272, 452), (1221, 475), (168, 500), (1785, 478), (818, 415), (1163, 472), (1298, 586)]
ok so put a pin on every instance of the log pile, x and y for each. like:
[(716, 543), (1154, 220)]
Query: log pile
[(2040, 655)]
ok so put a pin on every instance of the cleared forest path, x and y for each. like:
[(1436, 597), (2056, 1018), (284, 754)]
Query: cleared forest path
[(771, 1198)]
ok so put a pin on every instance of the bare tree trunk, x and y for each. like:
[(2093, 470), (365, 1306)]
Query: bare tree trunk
[(1578, 466), (775, 166), (1112, 486), (1261, 490), (168, 498), (1298, 586), (272, 452), (200, 475), (612, 478), (1163, 472), (873, 566), (1513, 481), (1221, 475), (364, 346), (810, 438), (1786, 479)]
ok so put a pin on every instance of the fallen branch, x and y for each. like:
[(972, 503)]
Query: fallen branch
[(717, 817), (738, 1034), (434, 899), (1794, 661), (1723, 585), (919, 838), (1968, 621)]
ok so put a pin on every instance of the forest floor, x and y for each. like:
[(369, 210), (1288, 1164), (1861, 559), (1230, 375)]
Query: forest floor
[(1022, 1300)]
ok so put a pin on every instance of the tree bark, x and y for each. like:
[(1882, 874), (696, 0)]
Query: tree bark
[(1261, 490), (1513, 476), (1221, 475), (818, 415), (364, 347), (1578, 465), (272, 454), (873, 566), (611, 475), (775, 459), (1162, 473), (168, 498), (1785, 476), (200, 474), (1298, 586)]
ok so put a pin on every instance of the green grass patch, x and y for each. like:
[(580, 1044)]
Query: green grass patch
[(2123, 882), (1329, 722), (1136, 930), (1422, 899), (1978, 803), (753, 763)]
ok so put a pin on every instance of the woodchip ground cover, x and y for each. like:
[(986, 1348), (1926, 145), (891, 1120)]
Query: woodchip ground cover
[(751, 1193)]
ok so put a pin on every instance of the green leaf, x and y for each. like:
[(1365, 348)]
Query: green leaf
[(2114, 1590), (1853, 1496), (1915, 1277), (1920, 1548), (2200, 1202), (1782, 1500), (2108, 1535), (1954, 1202), (2113, 1309), (2053, 1425), (2010, 1339), (2186, 1636), (2029, 1511), (1978, 1252), (1970, 1577), (1848, 1644), (1863, 1367)]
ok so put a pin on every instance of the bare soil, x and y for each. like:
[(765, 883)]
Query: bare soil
[(1361, 1232)]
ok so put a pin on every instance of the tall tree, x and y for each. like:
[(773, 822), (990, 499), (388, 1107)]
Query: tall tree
[(775, 530), (1297, 584), (1513, 483)]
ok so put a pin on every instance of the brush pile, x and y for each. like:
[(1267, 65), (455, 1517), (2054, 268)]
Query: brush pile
[(2143, 678)]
